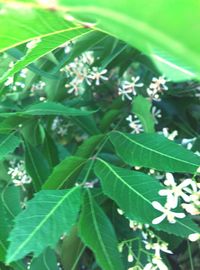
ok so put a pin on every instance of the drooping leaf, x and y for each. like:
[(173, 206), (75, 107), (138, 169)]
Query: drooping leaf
[(87, 123), (8, 143), (46, 261), (52, 213), (98, 234), (9, 208), (141, 107), (86, 149), (129, 190), (64, 174), (156, 36), (52, 108), (50, 150), (11, 123), (36, 166), (71, 251), (23, 23), (154, 151)]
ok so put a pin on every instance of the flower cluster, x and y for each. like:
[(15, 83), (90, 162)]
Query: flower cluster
[(18, 174), (81, 72), (156, 87), (128, 88), (135, 124), (187, 191), (59, 126), (153, 246)]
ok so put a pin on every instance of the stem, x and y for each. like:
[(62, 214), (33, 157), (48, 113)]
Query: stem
[(78, 258), (190, 255)]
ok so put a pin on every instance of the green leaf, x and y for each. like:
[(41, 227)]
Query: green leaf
[(87, 123), (52, 213), (50, 150), (138, 23), (9, 208), (36, 166), (71, 251), (53, 108), (142, 108), (87, 148), (8, 143), (46, 261), (52, 32), (98, 234), (108, 119), (65, 173), (11, 123), (129, 190), (154, 151)]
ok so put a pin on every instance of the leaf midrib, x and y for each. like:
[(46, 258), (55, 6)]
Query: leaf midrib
[(178, 221), (140, 27), (155, 151), (124, 182), (42, 223), (6, 139), (97, 231)]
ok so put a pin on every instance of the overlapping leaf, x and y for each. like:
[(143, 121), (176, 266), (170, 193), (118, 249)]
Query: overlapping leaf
[(134, 193), (23, 23), (46, 261), (48, 215), (154, 151), (142, 108), (158, 36), (64, 173), (97, 233), (8, 143), (36, 166), (48, 108)]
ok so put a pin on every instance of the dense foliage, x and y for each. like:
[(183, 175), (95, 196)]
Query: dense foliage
[(99, 135)]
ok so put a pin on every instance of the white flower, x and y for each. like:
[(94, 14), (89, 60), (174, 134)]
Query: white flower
[(135, 225), (171, 136), (124, 93), (32, 44), (156, 114), (130, 86), (157, 86), (158, 247), (135, 125), (18, 174), (175, 190), (188, 143), (156, 263), (75, 87), (194, 237), (97, 75), (191, 208), (166, 213), (9, 81), (120, 212), (130, 258)]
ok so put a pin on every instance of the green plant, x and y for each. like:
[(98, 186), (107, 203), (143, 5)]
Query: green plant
[(99, 135)]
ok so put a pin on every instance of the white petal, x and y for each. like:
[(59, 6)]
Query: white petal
[(172, 201), (159, 219), (161, 265), (185, 197), (148, 266), (158, 206), (194, 237), (179, 215), (164, 192), (170, 179)]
